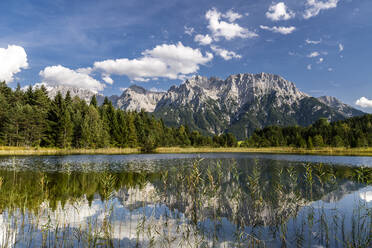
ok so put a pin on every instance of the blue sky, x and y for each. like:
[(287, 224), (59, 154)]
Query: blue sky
[(323, 46)]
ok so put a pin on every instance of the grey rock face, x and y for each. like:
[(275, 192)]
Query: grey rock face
[(239, 104), (341, 107)]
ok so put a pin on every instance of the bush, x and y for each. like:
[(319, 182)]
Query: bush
[(149, 145)]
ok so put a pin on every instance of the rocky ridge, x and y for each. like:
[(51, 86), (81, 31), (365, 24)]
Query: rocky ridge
[(239, 104)]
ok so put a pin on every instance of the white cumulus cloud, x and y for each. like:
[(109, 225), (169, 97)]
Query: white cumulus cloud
[(279, 12), (12, 60), (225, 54), (313, 42), (203, 39), (227, 30), (232, 16), (313, 55), (340, 47), (364, 102), (59, 75), (280, 30), (107, 79), (86, 70), (189, 30), (309, 67), (172, 61), (313, 7)]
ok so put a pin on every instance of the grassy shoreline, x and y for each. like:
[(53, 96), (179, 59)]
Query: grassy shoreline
[(275, 150), (19, 151)]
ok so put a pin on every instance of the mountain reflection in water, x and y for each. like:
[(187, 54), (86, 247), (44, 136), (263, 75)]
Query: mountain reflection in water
[(83, 201)]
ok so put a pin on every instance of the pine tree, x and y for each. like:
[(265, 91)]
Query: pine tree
[(182, 136), (132, 133), (60, 125), (93, 101), (79, 109), (29, 96), (108, 115), (4, 114), (40, 106), (337, 141), (106, 101), (140, 128), (93, 133), (310, 143), (231, 140), (122, 135), (318, 141), (68, 99), (18, 95), (13, 128), (31, 126), (67, 128)]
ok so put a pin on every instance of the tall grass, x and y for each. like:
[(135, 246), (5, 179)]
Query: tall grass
[(285, 150), (5, 150), (190, 206), (337, 151)]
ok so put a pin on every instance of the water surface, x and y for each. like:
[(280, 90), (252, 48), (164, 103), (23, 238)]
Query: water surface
[(186, 200)]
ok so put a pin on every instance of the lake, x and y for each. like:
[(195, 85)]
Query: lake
[(186, 200)]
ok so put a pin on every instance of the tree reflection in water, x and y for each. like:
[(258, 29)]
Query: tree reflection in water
[(199, 203)]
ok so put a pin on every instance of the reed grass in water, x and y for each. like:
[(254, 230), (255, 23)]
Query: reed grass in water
[(186, 206)]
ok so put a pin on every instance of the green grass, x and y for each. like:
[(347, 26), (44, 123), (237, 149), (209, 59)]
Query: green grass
[(9, 151)]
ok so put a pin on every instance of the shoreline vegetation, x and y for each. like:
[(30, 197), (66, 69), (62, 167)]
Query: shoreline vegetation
[(335, 151)]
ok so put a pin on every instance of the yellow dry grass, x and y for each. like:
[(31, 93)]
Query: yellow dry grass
[(285, 150), (5, 150), (9, 151)]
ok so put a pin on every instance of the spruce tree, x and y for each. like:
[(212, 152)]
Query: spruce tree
[(132, 133), (41, 106), (79, 109), (93, 133), (93, 101), (4, 114), (68, 99), (122, 135), (183, 139), (60, 125), (18, 95), (13, 128), (318, 141)]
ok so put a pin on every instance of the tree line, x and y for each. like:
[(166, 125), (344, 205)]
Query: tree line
[(352, 132), (30, 118)]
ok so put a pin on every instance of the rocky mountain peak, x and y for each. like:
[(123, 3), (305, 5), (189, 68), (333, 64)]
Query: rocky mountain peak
[(136, 98), (239, 104), (136, 88), (341, 107), (247, 88), (198, 81), (330, 100), (83, 93)]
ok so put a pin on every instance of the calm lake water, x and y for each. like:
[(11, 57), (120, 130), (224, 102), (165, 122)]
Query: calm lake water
[(186, 200)]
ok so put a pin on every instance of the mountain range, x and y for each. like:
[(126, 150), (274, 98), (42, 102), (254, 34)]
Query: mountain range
[(239, 104)]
